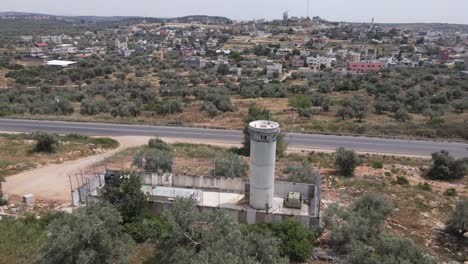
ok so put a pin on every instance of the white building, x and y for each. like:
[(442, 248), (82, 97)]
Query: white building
[(273, 69), (26, 38), (317, 62), (34, 52), (64, 49)]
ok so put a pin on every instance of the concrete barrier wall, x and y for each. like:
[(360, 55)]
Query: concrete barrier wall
[(235, 185), (283, 188)]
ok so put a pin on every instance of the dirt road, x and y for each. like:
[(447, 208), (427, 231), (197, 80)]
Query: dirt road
[(51, 182)]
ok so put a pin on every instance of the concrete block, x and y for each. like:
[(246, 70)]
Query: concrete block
[(28, 199)]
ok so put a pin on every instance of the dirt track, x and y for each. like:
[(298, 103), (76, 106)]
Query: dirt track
[(51, 182)]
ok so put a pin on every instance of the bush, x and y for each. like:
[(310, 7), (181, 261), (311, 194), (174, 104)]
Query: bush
[(3, 201), (159, 144), (424, 186), (346, 161), (105, 142), (296, 239), (445, 167), (230, 166), (146, 230), (400, 180), (154, 160), (377, 165), (170, 107), (450, 192), (301, 174), (45, 142), (211, 109), (402, 115), (457, 225), (299, 102), (387, 249), (360, 222), (91, 234)]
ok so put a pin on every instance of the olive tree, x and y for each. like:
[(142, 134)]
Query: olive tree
[(45, 142), (197, 237), (346, 161), (91, 234), (458, 223), (446, 167), (230, 166)]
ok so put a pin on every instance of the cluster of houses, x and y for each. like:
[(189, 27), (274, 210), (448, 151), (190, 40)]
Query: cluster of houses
[(56, 46), (291, 44)]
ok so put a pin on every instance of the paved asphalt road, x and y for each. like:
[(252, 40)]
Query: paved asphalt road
[(297, 140)]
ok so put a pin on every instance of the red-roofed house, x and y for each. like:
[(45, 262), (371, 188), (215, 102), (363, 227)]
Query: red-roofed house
[(41, 45)]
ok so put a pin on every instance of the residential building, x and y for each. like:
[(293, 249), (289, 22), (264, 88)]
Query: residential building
[(26, 38), (304, 53), (211, 43), (317, 62), (364, 66), (444, 55), (187, 52), (195, 62), (274, 69), (64, 49), (284, 52), (354, 56), (34, 52), (297, 61)]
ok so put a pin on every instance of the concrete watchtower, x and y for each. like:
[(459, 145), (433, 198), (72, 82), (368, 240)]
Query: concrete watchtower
[(263, 136)]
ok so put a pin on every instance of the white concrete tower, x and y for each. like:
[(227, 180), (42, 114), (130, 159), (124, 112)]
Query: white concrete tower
[(262, 163)]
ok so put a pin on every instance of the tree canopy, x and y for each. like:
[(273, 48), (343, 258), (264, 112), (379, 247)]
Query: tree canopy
[(91, 234)]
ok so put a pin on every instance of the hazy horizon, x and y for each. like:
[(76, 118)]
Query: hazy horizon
[(395, 11)]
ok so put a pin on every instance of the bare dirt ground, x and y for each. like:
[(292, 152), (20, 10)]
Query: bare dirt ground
[(51, 182)]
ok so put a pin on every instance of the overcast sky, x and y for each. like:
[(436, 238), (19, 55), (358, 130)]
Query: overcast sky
[(447, 11)]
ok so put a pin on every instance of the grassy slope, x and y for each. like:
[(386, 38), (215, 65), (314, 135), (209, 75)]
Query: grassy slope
[(16, 151)]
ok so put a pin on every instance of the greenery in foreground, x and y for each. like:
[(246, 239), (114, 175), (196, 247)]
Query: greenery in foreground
[(356, 234), (98, 234)]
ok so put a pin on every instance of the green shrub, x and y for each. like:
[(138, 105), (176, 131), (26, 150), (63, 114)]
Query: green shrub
[(296, 239), (3, 201), (377, 165), (400, 180), (45, 142), (105, 142), (346, 161), (457, 225), (230, 165), (424, 186), (450, 192), (159, 144), (300, 174), (154, 160), (146, 230), (446, 167)]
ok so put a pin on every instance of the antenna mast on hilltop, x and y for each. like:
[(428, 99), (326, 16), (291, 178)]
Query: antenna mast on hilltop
[(308, 8)]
